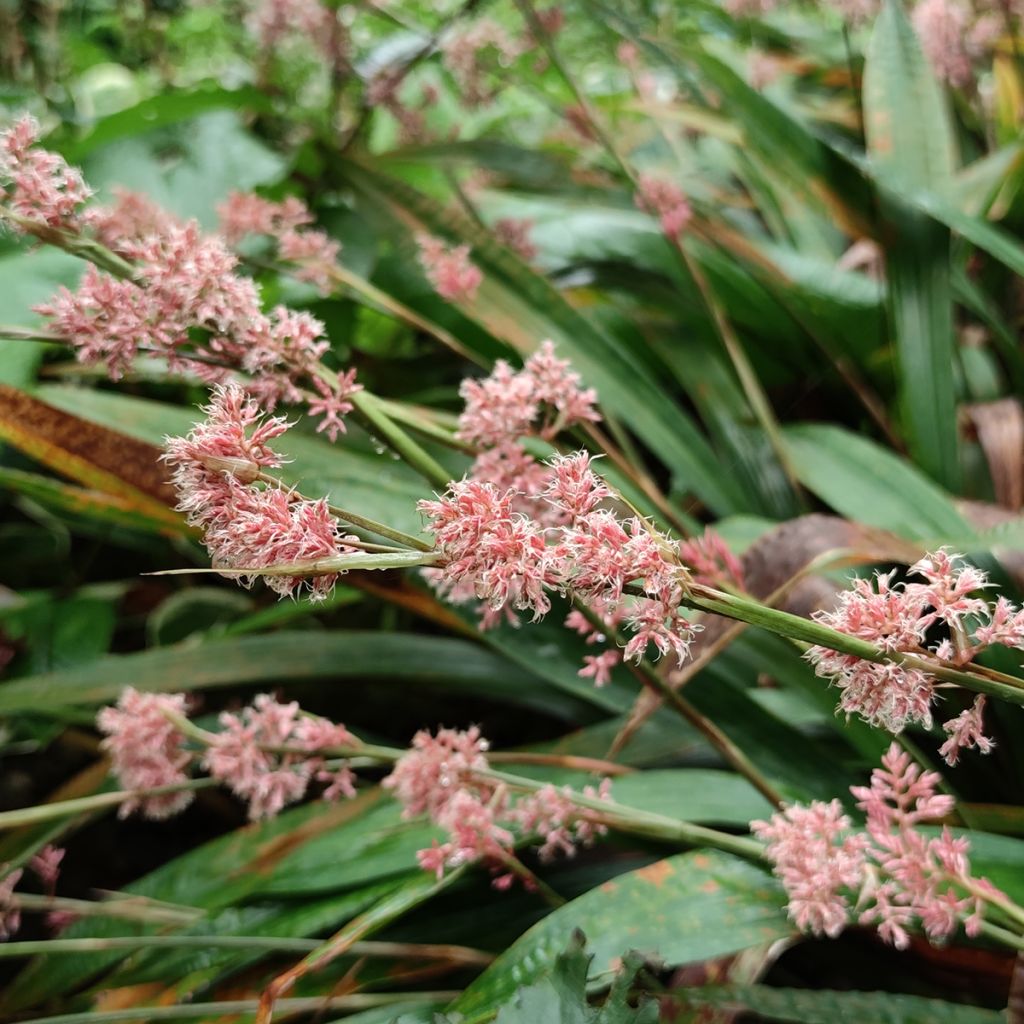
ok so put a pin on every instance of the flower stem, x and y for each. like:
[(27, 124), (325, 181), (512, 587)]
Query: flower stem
[(85, 804), (277, 944), (649, 676), (637, 822), (369, 407), (797, 628)]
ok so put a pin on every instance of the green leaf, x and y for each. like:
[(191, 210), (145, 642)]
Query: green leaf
[(910, 137), (30, 277), (521, 307), (906, 118), (693, 794), (444, 663), (160, 112), (561, 997), (694, 906), (822, 1006), (188, 167), (863, 481)]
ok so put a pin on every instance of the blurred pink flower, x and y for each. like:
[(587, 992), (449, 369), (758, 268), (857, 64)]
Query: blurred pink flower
[(469, 54), (856, 12), (131, 218), (448, 269), (275, 23), (943, 26), (664, 200), (711, 561), (428, 775), (46, 866), (515, 234), (10, 913), (817, 857), (147, 751)]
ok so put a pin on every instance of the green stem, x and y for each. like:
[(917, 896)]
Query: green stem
[(718, 739), (125, 908), (1002, 935), (797, 628), (85, 804), (380, 529), (412, 418), (276, 944), (231, 1007), (642, 823), (320, 566), (369, 407)]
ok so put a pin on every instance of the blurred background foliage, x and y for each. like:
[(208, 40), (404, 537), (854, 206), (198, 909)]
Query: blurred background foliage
[(828, 371)]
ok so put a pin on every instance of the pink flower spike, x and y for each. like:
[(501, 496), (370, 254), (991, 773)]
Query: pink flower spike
[(816, 856), (146, 750), (10, 913), (36, 184), (599, 667), (333, 404), (426, 777), (448, 269), (575, 488), (666, 201), (966, 731), (245, 527), (46, 866), (943, 27), (515, 235), (246, 755)]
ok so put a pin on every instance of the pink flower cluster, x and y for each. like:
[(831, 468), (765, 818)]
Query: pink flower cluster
[(444, 777), (36, 184), (267, 755), (891, 875), (216, 471), (131, 218), (449, 269), (711, 561), (543, 399), (183, 282), (896, 618), (509, 561), (514, 234), (471, 52), (383, 92), (147, 751), (46, 866), (275, 23), (314, 252), (664, 200), (517, 529), (953, 38)]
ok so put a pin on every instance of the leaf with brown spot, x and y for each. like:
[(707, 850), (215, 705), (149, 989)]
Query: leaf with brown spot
[(656, 873), (679, 920), (98, 457)]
